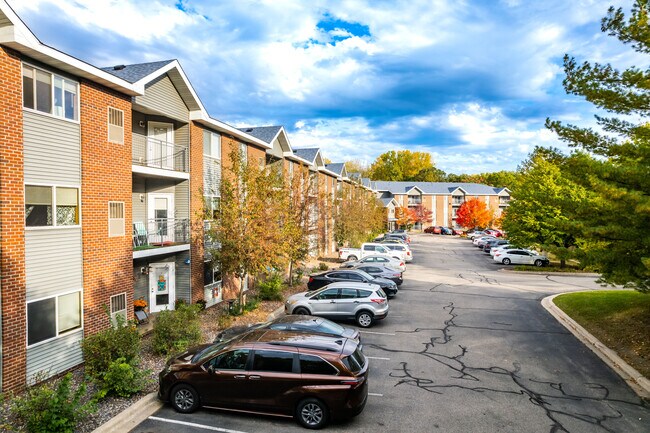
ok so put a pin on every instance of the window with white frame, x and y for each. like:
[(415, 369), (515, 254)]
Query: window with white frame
[(243, 149), (48, 318), (212, 207), (118, 307), (51, 206), (116, 218), (212, 145), (50, 93), (115, 125)]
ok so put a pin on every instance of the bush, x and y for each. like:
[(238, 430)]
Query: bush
[(201, 303), (323, 266), (122, 379), (52, 407), (271, 288), (176, 330), (101, 349)]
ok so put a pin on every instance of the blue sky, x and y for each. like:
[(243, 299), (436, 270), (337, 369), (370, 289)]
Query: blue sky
[(470, 81)]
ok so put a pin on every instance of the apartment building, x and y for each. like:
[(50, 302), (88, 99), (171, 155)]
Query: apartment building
[(441, 198)]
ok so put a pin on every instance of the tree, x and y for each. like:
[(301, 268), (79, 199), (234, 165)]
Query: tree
[(356, 166), (403, 165), (246, 224), (497, 179), (296, 217), (420, 214), (359, 217), (473, 213), (403, 216), (614, 229)]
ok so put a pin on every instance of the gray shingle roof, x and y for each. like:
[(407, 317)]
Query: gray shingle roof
[(336, 167), (264, 133), (434, 187), (307, 153), (386, 201), (136, 72)]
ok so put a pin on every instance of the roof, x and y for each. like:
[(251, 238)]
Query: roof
[(307, 153), (441, 188), (386, 201), (264, 133), (136, 72), (337, 167)]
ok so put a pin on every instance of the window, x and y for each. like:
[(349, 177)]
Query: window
[(211, 274), (348, 293), (271, 360), (328, 294), (42, 203), (310, 364), (232, 360), (51, 317), (118, 307), (354, 277), (364, 293), (211, 207), (212, 145), (50, 93), (243, 149), (115, 218), (115, 125)]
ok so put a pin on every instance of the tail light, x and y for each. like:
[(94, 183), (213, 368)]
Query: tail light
[(401, 263), (397, 275), (378, 300), (311, 279), (354, 383), (408, 253)]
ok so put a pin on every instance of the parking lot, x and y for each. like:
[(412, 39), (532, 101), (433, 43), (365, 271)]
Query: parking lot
[(467, 347)]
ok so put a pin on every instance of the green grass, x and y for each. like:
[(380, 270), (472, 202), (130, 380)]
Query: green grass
[(553, 267), (618, 318)]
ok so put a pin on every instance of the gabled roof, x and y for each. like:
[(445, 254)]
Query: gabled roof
[(438, 188), (387, 201), (502, 191), (136, 72), (408, 189), (264, 133), (307, 153), (338, 168), (453, 189)]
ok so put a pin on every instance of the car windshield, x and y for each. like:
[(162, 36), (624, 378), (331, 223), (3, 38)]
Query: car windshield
[(330, 328), (365, 275), (208, 352)]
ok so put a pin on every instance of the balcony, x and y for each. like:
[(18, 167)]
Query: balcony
[(151, 153), (160, 236), (414, 200), (457, 201), (504, 201)]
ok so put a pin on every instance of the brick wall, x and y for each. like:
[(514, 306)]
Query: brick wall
[(12, 223), (196, 212), (105, 176)]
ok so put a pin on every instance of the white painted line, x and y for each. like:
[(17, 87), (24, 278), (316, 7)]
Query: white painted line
[(375, 395), (191, 424), (377, 357), (377, 333)]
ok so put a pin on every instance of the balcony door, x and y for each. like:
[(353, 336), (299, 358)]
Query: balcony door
[(162, 286), (160, 145), (161, 218)]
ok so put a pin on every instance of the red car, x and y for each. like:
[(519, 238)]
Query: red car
[(436, 230), (494, 232)]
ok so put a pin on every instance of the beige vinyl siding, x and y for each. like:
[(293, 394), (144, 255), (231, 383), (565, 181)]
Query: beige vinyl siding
[(183, 277), (52, 150), (182, 200), (55, 356), (182, 134), (4, 21), (161, 96), (139, 206), (53, 262)]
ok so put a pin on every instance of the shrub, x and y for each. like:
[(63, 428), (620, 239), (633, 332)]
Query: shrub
[(101, 349), (52, 407), (201, 303), (271, 288), (122, 379), (298, 274), (323, 266), (176, 330), (178, 303)]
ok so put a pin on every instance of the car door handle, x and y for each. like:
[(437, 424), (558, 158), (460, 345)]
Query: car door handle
[(356, 302), (254, 377), (240, 376), (332, 302)]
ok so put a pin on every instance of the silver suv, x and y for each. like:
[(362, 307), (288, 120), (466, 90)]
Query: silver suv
[(346, 300)]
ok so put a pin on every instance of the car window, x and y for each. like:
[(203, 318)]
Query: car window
[(272, 360), (365, 275), (353, 276), (310, 364), (381, 249), (381, 259), (372, 269), (335, 275), (328, 294), (231, 360), (368, 247), (279, 327), (355, 361), (364, 293), (348, 294), (330, 328)]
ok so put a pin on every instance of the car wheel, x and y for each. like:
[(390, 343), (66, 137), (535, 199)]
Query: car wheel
[(184, 398), (539, 263), (506, 261), (301, 311), (364, 319), (352, 258), (311, 413)]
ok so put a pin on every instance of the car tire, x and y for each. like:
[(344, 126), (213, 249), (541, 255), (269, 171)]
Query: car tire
[(301, 311), (184, 398), (352, 258), (506, 261), (539, 263), (364, 319), (312, 413)]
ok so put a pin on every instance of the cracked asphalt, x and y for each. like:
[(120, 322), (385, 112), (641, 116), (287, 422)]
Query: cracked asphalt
[(467, 347)]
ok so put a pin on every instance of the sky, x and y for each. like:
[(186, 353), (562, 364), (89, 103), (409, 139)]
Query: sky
[(470, 81)]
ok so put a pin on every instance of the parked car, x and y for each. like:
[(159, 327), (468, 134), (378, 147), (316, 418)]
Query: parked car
[(346, 300), (494, 232), (402, 236), (312, 378), (404, 249), (446, 231), (391, 240), (398, 231), (482, 238), (316, 281), (436, 230), (458, 232), (293, 323), (520, 257), (493, 243), (501, 248), (367, 249), (390, 262), (475, 234), (377, 270)]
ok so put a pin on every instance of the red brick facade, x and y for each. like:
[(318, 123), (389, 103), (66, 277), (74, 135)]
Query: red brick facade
[(196, 212), (105, 176), (12, 224)]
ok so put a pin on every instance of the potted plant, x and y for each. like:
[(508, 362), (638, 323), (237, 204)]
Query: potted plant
[(139, 304)]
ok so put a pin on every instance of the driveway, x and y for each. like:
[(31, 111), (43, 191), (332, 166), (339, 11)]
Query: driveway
[(467, 347)]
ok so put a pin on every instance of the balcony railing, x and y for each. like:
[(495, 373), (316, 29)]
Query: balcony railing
[(414, 201), (160, 232), (504, 201), (457, 201), (151, 152)]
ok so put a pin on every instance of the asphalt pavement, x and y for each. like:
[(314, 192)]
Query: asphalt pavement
[(467, 347)]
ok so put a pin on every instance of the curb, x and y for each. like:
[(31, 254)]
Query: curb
[(639, 383), (277, 313), (133, 415), (569, 274)]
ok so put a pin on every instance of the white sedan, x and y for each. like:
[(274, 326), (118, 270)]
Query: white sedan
[(520, 257)]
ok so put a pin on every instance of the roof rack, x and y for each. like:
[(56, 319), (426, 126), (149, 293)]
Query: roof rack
[(316, 345)]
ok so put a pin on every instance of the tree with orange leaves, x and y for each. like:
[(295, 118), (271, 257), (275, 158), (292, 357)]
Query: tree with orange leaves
[(473, 213), (421, 214)]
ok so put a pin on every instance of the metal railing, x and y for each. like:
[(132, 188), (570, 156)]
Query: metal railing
[(151, 152), (413, 201), (457, 200), (504, 201), (160, 232)]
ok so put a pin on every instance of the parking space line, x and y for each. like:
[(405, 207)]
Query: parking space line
[(375, 394), (376, 333), (191, 424), (378, 357)]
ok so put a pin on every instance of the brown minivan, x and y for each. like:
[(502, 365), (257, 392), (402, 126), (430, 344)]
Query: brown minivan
[(313, 378)]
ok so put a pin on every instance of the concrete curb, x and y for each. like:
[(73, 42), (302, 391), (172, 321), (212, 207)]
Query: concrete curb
[(639, 383), (133, 415), (277, 313), (569, 274)]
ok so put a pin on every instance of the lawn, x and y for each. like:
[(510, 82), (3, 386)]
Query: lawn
[(620, 319)]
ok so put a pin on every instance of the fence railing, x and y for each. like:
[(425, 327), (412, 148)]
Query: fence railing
[(151, 152), (160, 232)]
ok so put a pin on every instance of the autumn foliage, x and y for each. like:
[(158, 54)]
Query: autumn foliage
[(473, 213)]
